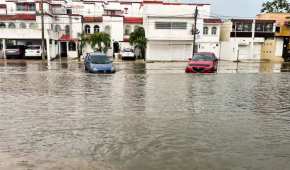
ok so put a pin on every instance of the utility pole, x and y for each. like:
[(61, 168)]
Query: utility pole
[(253, 38), (42, 31), (194, 29)]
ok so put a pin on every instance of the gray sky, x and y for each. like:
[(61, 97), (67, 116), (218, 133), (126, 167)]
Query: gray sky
[(242, 8)]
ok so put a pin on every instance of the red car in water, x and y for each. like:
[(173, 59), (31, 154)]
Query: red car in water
[(202, 62)]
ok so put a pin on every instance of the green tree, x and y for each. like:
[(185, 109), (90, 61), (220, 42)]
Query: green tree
[(275, 6), (99, 41), (138, 40)]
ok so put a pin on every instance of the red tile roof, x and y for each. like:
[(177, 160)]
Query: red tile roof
[(17, 17), (66, 38), (133, 20), (212, 20), (93, 19)]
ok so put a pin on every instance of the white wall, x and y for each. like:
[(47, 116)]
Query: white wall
[(279, 47), (116, 25), (241, 47), (213, 47)]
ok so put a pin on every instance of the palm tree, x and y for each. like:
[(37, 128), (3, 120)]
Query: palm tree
[(138, 40), (99, 41)]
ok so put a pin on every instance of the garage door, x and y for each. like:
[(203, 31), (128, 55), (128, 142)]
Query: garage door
[(243, 52), (168, 52)]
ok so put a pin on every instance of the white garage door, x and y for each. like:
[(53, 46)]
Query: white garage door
[(244, 52), (168, 52)]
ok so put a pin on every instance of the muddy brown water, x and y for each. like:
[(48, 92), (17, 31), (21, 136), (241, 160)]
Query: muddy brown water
[(147, 116)]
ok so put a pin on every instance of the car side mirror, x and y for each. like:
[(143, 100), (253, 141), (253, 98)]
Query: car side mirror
[(189, 59)]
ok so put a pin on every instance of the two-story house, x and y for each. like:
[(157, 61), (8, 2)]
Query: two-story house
[(243, 39), (169, 29)]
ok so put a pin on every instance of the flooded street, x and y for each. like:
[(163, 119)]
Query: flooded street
[(147, 116)]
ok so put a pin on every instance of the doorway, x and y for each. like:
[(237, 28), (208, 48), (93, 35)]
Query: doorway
[(63, 49)]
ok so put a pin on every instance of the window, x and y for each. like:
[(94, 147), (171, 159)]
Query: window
[(67, 30), (33, 26), (259, 27), (72, 46), (96, 28), (247, 27), (127, 29), (57, 28), (11, 25), (2, 25), (170, 25), (179, 25), (162, 25), (108, 29), (268, 28), (87, 29), (213, 30), (22, 25), (205, 30), (25, 6)]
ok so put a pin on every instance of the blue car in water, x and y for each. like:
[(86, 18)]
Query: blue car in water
[(98, 63)]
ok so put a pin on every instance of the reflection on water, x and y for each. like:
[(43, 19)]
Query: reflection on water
[(146, 116)]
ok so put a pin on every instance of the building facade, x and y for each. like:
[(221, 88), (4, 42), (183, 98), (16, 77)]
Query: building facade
[(168, 25), (244, 39)]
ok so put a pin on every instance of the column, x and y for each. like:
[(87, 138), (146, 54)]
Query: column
[(47, 50), (4, 48)]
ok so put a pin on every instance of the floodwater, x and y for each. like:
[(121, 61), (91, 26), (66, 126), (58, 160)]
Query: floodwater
[(147, 116)]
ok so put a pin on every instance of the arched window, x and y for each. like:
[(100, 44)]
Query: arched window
[(2, 25), (108, 29), (33, 26), (67, 30), (57, 28), (127, 29), (11, 25), (87, 29), (22, 25), (205, 30), (96, 28), (213, 30)]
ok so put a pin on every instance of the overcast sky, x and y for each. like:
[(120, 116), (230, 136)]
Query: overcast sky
[(243, 8)]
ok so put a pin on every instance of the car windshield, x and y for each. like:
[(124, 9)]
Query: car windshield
[(100, 59), (33, 47), (12, 47), (128, 50), (203, 57)]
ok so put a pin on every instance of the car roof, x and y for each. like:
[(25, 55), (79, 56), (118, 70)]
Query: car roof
[(205, 53), (96, 53)]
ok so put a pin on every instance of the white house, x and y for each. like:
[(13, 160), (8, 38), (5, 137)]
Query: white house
[(169, 29), (210, 38), (168, 25)]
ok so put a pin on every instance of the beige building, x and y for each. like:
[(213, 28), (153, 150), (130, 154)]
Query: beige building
[(277, 49)]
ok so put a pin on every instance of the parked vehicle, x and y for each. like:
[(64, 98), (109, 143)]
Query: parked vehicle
[(98, 63), (202, 63), (128, 53), (17, 51), (33, 51)]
